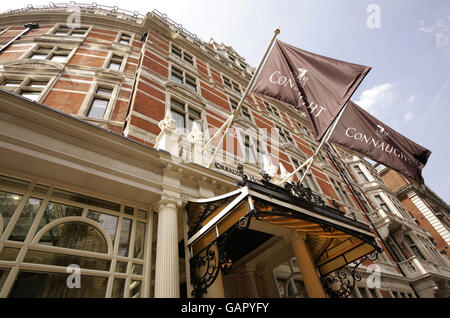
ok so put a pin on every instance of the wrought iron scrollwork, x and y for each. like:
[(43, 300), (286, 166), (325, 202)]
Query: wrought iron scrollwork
[(297, 189), (204, 270), (244, 222), (206, 265), (341, 282), (206, 212)]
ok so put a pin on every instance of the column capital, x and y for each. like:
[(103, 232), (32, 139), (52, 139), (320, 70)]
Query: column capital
[(169, 200)]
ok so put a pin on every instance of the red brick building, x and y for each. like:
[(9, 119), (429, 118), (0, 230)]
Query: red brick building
[(152, 93), (426, 207)]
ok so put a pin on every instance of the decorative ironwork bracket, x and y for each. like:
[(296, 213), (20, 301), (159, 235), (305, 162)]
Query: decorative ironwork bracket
[(244, 222), (341, 282), (206, 265)]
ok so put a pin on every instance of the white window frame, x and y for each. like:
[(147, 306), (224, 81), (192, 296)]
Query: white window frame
[(233, 85), (309, 179), (52, 50), (87, 104), (112, 58), (341, 192), (184, 56), (244, 111), (71, 30), (361, 174), (285, 135), (272, 109), (184, 77), (122, 34), (24, 82), (110, 274), (187, 114)]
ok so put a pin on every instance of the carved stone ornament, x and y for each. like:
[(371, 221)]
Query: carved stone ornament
[(168, 122), (269, 168), (284, 173), (196, 135)]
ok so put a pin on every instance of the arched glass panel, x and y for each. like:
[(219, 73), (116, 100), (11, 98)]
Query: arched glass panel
[(75, 235), (55, 211)]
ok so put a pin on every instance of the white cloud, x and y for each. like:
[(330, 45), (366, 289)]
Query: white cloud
[(377, 96), (411, 99), (408, 116)]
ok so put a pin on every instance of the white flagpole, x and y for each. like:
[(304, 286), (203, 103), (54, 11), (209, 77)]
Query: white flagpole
[(310, 160), (235, 113)]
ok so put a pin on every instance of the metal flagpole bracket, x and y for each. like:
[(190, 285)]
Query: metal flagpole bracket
[(28, 26)]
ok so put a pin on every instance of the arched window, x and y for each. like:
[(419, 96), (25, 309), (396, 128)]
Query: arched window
[(75, 235)]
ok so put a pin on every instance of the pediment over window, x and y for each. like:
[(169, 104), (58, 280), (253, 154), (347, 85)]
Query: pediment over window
[(60, 39), (33, 65), (291, 149), (110, 75), (245, 123), (185, 92)]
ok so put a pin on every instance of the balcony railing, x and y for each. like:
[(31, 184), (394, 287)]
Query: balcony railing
[(416, 268), (382, 218), (89, 7)]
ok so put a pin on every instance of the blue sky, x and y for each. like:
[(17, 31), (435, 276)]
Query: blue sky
[(409, 85)]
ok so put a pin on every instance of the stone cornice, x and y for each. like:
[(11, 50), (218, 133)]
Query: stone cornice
[(60, 15)]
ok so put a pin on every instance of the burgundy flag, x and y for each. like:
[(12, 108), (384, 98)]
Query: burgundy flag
[(316, 84), (363, 133)]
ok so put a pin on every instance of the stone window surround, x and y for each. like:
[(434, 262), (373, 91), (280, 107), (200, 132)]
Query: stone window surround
[(255, 145), (60, 25), (184, 72), (25, 80), (183, 53), (55, 47), (309, 174), (109, 59), (195, 105), (85, 107)]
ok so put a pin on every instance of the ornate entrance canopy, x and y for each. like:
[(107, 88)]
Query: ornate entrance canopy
[(334, 240)]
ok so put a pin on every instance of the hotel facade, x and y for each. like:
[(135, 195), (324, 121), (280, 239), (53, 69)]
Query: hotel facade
[(108, 187)]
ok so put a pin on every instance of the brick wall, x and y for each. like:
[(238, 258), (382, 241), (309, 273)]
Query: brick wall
[(143, 96)]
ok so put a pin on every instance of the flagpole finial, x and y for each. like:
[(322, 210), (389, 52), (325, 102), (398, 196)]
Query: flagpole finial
[(277, 31)]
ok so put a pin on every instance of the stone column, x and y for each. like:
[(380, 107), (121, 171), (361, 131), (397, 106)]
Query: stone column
[(270, 284), (167, 282), (249, 282), (308, 270)]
